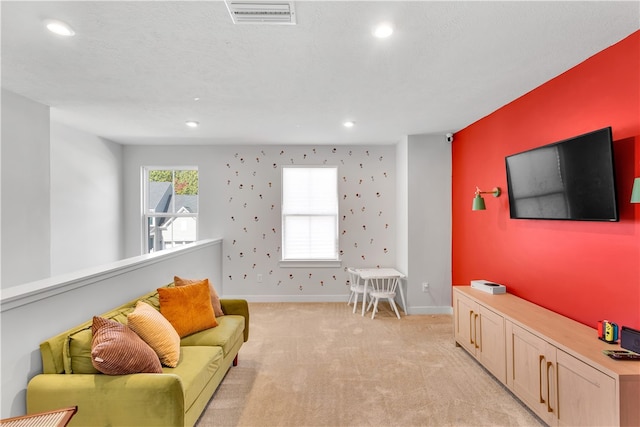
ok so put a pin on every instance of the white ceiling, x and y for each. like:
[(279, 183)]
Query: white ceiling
[(132, 70)]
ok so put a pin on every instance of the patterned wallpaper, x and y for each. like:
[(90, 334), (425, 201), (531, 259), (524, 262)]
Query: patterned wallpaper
[(252, 228)]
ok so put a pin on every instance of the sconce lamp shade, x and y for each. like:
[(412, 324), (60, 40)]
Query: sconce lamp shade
[(478, 203), (635, 193)]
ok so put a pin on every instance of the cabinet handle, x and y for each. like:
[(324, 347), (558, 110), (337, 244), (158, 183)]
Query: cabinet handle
[(471, 335), (475, 330), (549, 408), (540, 365)]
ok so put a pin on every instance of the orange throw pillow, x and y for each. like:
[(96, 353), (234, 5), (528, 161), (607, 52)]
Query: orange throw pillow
[(188, 308), (215, 299)]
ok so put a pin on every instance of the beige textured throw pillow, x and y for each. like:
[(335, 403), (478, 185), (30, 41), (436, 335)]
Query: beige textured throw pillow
[(156, 331), (215, 299), (117, 350)]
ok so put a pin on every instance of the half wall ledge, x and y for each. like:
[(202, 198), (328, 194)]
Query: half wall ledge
[(27, 293)]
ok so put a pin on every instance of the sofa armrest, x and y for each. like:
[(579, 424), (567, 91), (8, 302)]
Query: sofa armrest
[(239, 307), (124, 400)]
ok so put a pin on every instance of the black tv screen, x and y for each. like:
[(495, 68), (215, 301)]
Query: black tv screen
[(571, 179)]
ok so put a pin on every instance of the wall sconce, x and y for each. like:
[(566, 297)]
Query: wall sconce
[(478, 201), (635, 193)]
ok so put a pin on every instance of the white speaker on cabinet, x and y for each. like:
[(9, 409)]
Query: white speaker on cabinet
[(488, 287)]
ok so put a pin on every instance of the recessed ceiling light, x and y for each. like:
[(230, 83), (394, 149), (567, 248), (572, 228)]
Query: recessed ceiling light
[(349, 124), (60, 28), (192, 124), (383, 30), (196, 99)]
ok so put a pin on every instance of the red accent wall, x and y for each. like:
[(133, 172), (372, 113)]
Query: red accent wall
[(584, 270)]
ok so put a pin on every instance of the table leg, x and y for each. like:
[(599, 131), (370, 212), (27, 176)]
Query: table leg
[(366, 283)]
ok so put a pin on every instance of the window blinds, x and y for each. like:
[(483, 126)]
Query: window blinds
[(310, 213)]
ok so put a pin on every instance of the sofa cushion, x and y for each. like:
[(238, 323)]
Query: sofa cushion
[(117, 350), (188, 308), (155, 330), (153, 299), (230, 329), (78, 352), (196, 367), (215, 299)]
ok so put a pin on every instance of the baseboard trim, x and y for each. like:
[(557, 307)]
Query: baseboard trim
[(290, 298), (430, 310), (333, 298)]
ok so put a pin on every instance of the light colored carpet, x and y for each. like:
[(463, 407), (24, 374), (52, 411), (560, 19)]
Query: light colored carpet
[(318, 364)]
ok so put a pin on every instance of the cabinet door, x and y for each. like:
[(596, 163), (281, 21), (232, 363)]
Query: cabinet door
[(492, 343), (527, 367), (586, 396), (466, 312)]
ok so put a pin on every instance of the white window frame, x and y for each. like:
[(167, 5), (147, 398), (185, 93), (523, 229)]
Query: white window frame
[(148, 215), (333, 261)]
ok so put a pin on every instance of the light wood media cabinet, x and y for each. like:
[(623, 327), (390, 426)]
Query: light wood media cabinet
[(553, 364)]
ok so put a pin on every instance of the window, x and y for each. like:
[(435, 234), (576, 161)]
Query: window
[(309, 213), (170, 207)]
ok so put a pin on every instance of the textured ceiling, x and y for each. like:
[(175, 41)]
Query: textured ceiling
[(132, 70)]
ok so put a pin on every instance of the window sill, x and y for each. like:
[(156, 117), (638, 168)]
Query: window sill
[(311, 263)]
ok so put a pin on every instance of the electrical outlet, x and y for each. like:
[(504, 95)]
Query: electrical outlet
[(425, 286), (259, 278)]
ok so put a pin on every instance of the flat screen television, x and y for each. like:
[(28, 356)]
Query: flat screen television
[(573, 179)]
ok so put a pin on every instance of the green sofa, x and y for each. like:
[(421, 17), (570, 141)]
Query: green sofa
[(176, 397)]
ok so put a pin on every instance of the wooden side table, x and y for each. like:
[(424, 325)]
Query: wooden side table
[(57, 418)]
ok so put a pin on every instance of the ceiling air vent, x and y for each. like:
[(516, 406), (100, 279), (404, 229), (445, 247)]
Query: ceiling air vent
[(261, 12)]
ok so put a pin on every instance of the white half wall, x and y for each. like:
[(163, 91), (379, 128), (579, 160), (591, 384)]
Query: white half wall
[(33, 312), (25, 229), (86, 200)]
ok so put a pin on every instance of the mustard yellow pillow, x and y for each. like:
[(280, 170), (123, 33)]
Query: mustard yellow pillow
[(155, 330), (77, 351), (188, 308), (215, 299), (117, 350)]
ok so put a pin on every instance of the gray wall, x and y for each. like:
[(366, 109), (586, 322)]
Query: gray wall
[(240, 201), (61, 195), (429, 216), (25, 228), (423, 198), (86, 200), (395, 211), (402, 204)]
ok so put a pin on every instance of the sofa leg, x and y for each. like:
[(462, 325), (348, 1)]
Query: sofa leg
[(235, 360)]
